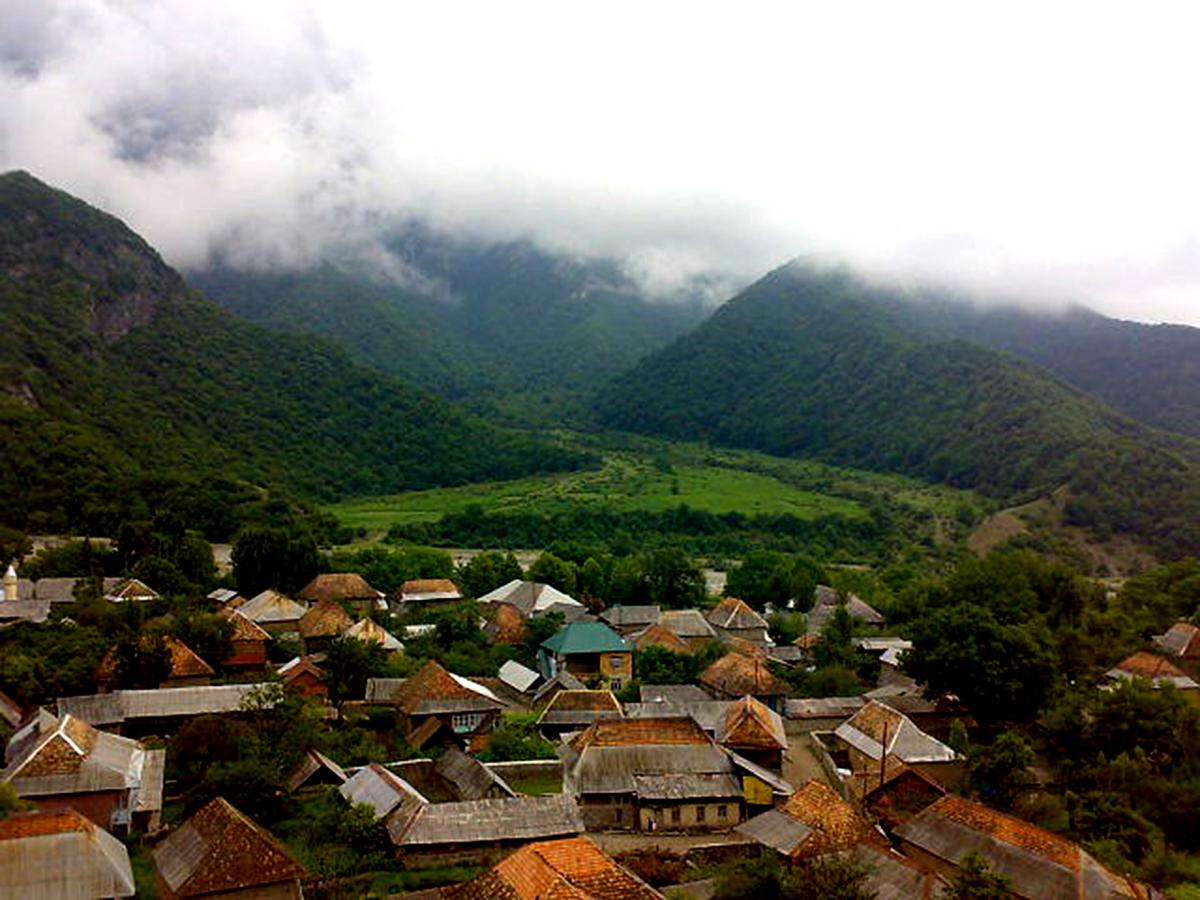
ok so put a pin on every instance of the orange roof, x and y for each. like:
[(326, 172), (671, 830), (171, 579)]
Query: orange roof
[(220, 849), (733, 613), (807, 641), (657, 636), (507, 624), (41, 822), (429, 682), (244, 629), (736, 674), (569, 869), (663, 730), (337, 586), (748, 723), (1009, 829), (325, 619), (429, 586), (1148, 665), (184, 661), (835, 823), (584, 701)]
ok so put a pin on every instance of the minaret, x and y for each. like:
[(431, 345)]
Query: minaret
[(10, 583)]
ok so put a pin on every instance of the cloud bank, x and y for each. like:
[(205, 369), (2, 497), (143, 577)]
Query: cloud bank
[(1044, 152)]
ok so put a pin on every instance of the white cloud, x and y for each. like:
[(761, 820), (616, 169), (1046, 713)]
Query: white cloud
[(1039, 150)]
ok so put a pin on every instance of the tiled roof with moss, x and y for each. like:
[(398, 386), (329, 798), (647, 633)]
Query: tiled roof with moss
[(835, 823), (750, 724), (657, 636), (326, 619), (738, 674), (337, 586)]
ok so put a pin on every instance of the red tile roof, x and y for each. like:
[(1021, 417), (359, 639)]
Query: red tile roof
[(41, 822), (1148, 665), (584, 701), (748, 723), (569, 869), (836, 824), (244, 629), (429, 682), (325, 619), (736, 674), (663, 730), (657, 636), (429, 586), (507, 625), (1009, 829), (184, 661)]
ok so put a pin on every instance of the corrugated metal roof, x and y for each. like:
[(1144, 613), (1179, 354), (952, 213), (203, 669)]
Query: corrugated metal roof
[(272, 606), (694, 786), (379, 788), (530, 597), (777, 831), (518, 677), (631, 616), (709, 714), (687, 623), (472, 780), (73, 860), (380, 690), (483, 821), (824, 707), (585, 637)]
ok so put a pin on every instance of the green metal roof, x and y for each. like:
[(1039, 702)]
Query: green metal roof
[(585, 637)]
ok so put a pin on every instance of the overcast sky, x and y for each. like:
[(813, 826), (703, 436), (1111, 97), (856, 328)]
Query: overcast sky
[(1035, 150)]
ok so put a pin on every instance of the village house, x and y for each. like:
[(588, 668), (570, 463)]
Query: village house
[(424, 594), (878, 739), (807, 715), (277, 613), (532, 598), (736, 675), (220, 853), (158, 712), (626, 620), (130, 590), (755, 732), (563, 681), (249, 643), (462, 832), (321, 625), (185, 668), (61, 854), (371, 632), (1158, 672), (519, 678), (826, 602), (661, 775), (64, 762), (433, 700), (814, 821), (504, 624), (657, 636), (348, 588), (1040, 865), (903, 793), (591, 651), (733, 618), (452, 777), (568, 868), (225, 598), (575, 711), (1180, 644), (302, 676), (689, 625)]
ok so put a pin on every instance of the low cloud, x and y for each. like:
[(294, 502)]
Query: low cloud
[(1042, 154)]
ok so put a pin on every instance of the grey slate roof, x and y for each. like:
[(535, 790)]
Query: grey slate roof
[(674, 693), (519, 818), (709, 714), (74, 861), (518, 677), (631, 617), (380, 690), (693, 786), (471, 779), (776, 830), (687, 624), (121, 706)]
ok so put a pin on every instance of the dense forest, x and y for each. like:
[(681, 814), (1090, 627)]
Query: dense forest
[(817, 363), (115, 378)]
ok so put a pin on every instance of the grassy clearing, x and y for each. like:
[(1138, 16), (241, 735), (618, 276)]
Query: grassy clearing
[(550, 784), (643, 475)]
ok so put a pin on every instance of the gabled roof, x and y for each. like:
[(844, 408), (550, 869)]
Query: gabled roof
[(220, 850), (10, 710), (1182, 640), (530, 597), (815, 820), (314, 761), (381, 789), (272, 606), (518, 818), (631, 616), (660, 730), (585, 637), (569, 869), (580, 708), (131, 589), (826, 603), (505, 624), (687, 623), (733, 614), (672, 693), (119, 706), (1040, 865), (59, 853), (563, 681), (326, 619), (876, 723), (298, 666), (657, 636), (472, 780), (736, 674), (1158, 670), (429, 589), (518, 677), (432, 690), (370, 631), (748, 724), (244, 629), (184, 661), (338, 586)]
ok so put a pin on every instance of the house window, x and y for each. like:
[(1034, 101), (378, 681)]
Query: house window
[(616, 662), (461, 722), (675, 816), (700, 813), (615, 684), (617, 813), (722, 813)]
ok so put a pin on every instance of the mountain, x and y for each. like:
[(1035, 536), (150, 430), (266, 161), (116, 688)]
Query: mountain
[(114, 374), (809, 362), (516, 333), (1149, 372)]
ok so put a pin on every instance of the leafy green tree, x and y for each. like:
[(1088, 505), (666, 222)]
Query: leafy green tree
[(274, 557), (142, 660), (208, 634), (828, 877), (517, 738), (975, 880), (486, 571), (1000, 772), (559, 573), (348, 664), (10, 801), (672, 580)]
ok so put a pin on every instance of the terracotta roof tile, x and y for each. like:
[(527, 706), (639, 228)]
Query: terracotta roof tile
[(1148, 665), (835, 823), (337, 586), (220, 849), (1182, 639), (41, 822), (662, 730), (736, 674), (325, 619), (569, 869), (584, 701), (657, 636), (733, 613), (429, 586), (748, 723), (1009, 829), (244, 629), (184, 661), (429, 682)]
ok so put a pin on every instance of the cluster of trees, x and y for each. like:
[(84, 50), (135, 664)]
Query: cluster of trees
[(767, 577)]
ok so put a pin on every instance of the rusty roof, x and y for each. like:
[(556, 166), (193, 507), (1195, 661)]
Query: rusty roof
[(567, 869), (658, 730), (244, 629), (1149, 665), (428, 586), (325, 619), (338, 586), (221, 849), (748, 723), (735, 615), (657, 636), (835, 823), (185, 663), (1008, 829), (431, 683), (736, 674), (39, 822), (585, 701), (506, 625)]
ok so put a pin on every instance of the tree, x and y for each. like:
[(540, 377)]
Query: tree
[(10, 802), (976, 881), (486, 571), (549, 569), (141, 660), (823, 878), (348, 664), (274, 557), (208, 634), (517, 738), (1000, 772), (672, 580)]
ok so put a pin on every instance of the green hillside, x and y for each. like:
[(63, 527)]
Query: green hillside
[(515, 333), (819, 363), (114, 376)]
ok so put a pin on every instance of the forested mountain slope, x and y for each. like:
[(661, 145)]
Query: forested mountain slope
[(809, 362), (114, 374), (514, 332)]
